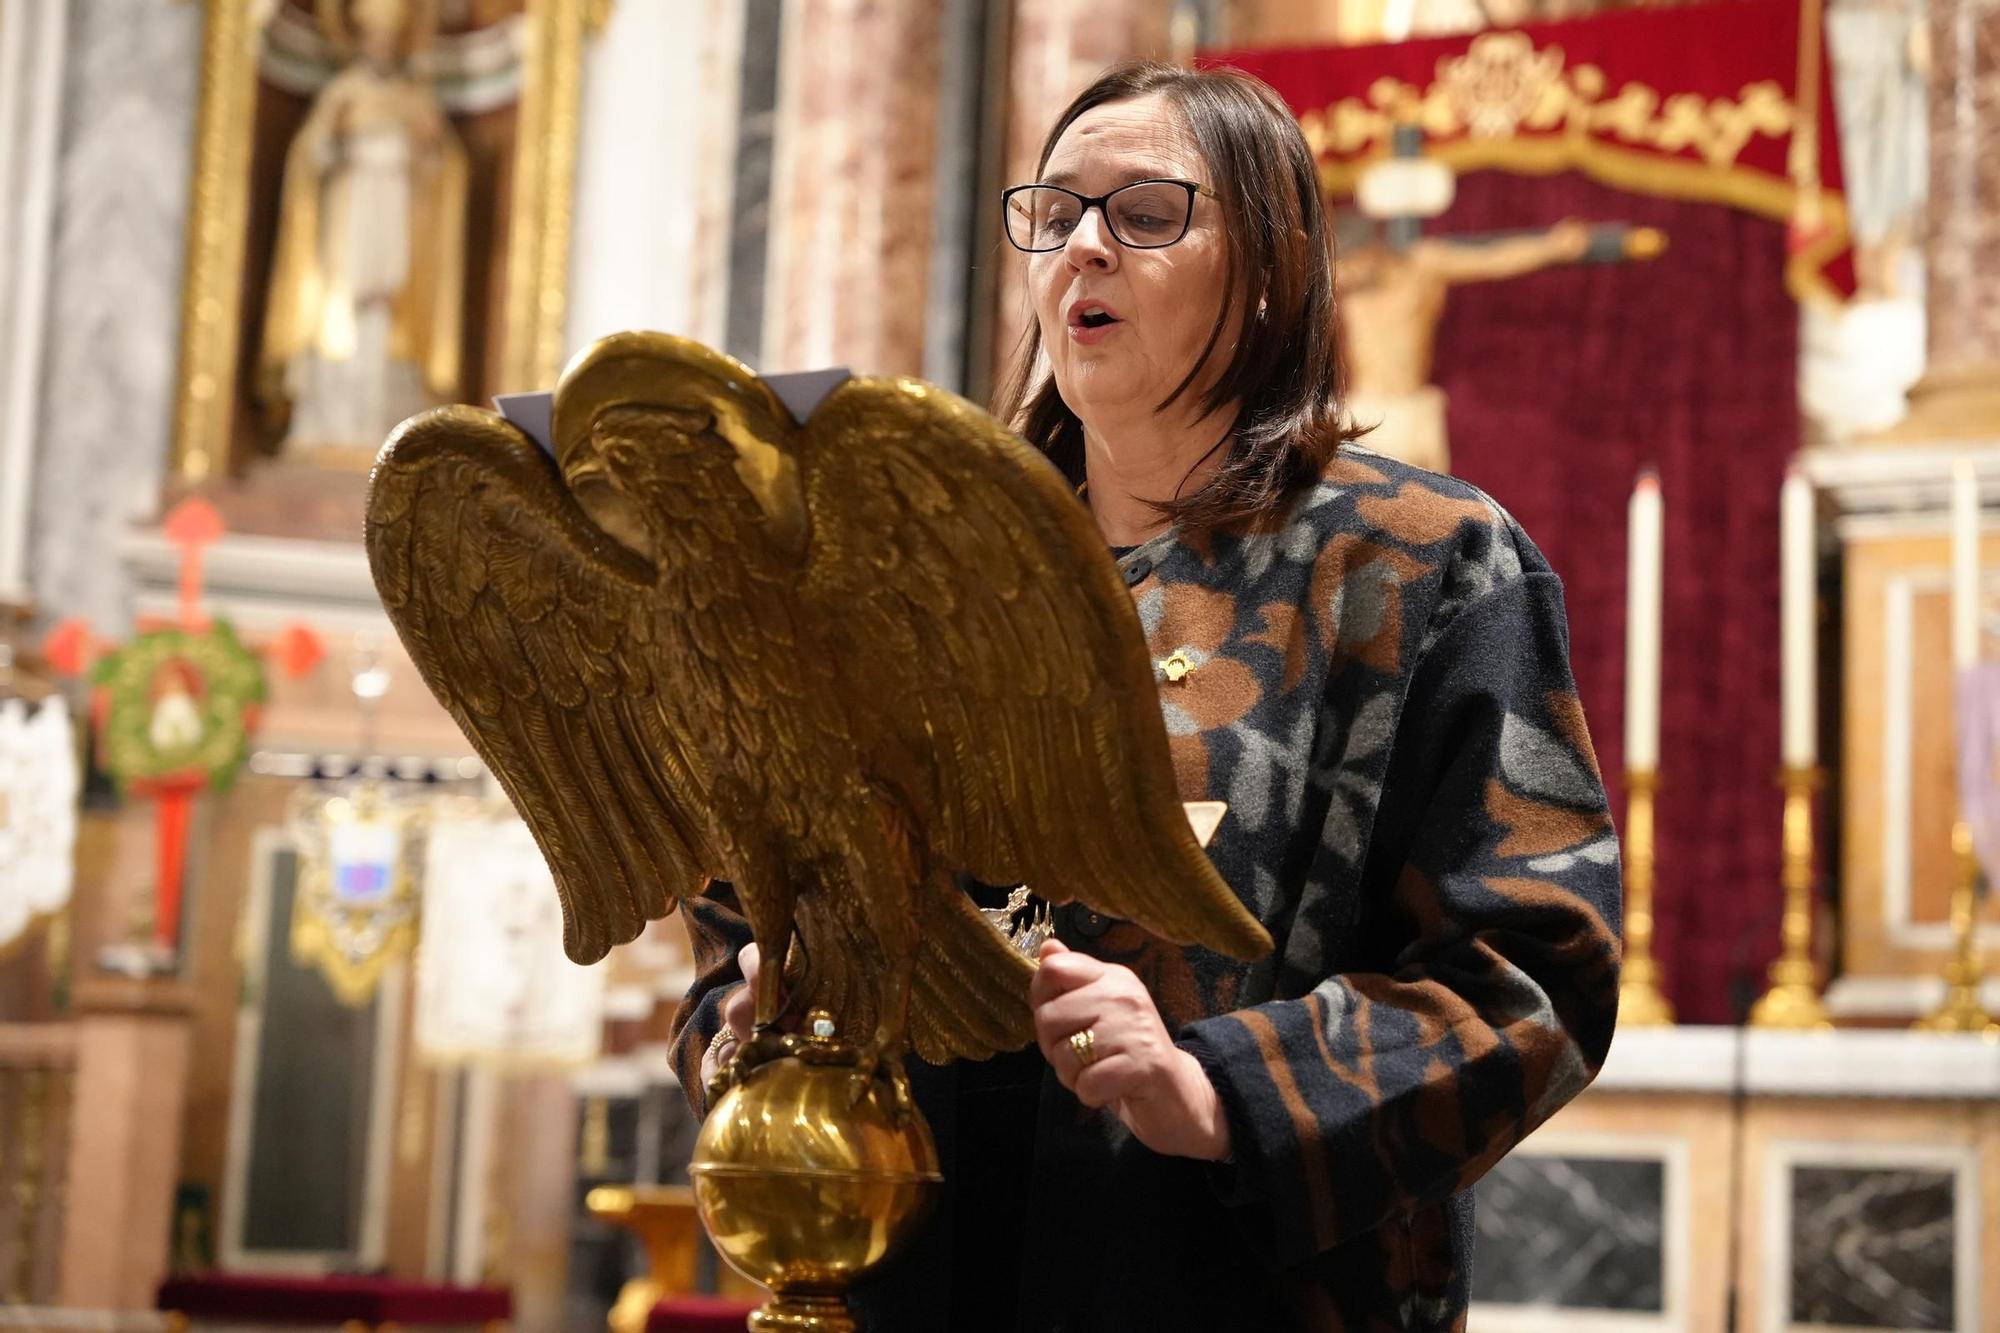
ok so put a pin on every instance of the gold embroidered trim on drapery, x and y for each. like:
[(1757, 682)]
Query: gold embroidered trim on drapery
[(1504, 105)]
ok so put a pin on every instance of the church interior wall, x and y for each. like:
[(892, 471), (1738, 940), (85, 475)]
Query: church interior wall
[(746, 175)]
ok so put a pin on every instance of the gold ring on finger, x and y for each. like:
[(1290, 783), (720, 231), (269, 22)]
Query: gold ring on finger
[(1084, 1043)]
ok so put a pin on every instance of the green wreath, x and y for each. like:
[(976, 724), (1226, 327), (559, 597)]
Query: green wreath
[(178, 705)]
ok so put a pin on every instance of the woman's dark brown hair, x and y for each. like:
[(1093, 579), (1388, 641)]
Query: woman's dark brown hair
[(1285, 374)]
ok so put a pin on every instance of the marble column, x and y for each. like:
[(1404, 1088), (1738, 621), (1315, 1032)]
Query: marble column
[(853, 187), (657, 137), (32, 35), (1963, 232), (538, 1197), (113, 301), (1058, 47)]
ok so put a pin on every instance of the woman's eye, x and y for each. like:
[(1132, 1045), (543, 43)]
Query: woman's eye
[(1059, 226)]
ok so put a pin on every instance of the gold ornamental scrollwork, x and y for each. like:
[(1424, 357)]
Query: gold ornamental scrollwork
[(1499, 82), (1503, 86), (1505, 104)]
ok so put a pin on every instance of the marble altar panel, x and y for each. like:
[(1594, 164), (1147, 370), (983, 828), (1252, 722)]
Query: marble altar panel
[(1605, 1218), (1873, 1247), (1574, 1232), (1869, 1214)]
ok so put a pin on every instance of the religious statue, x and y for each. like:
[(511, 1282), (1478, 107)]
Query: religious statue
[(1880, 53), (361, 328), (1393, 282), (176, 717), (1390, 302)]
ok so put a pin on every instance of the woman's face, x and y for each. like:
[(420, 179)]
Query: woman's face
[(1162, 302)]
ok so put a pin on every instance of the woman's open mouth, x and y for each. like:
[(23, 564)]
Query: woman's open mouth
[(1091, 321)]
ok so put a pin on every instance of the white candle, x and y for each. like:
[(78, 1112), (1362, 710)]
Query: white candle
[(1796, 602), (1643, 541), (1964, 565)]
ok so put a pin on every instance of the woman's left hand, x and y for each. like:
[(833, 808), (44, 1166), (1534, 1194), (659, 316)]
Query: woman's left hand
[(1154, 1086)]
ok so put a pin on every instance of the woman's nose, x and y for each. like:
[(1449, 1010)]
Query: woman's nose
[(1091, 245)]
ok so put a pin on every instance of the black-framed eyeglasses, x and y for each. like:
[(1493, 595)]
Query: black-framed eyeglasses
[(1145, 215)]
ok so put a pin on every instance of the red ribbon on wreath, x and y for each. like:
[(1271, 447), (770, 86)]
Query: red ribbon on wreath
[(175, 707)]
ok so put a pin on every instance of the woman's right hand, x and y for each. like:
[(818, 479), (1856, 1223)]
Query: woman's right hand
[(739, 1009)]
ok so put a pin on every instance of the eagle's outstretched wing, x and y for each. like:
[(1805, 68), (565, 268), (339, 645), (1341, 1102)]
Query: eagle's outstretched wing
[(992, 634), (937, 573), (531, 626)]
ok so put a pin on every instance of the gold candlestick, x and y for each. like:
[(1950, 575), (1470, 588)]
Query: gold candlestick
[(1961, 1010), (1793, 999), (1640, 1003)]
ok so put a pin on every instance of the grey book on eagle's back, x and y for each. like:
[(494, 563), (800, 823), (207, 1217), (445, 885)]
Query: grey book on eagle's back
[(800, 391)]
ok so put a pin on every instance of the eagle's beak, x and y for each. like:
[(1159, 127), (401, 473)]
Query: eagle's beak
[(590, 482), (772, 476)]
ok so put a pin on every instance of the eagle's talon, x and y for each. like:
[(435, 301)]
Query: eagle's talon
[(899, 1092), (902, 1103), (767, 1043), (870, 1064)]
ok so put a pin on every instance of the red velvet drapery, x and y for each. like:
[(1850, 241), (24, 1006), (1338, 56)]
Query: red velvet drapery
[(1562, 386)]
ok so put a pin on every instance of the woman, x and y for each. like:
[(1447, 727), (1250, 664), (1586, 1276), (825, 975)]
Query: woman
[(1369, 663)]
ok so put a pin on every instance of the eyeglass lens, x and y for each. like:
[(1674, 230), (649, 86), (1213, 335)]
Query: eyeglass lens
[(1144, 215)]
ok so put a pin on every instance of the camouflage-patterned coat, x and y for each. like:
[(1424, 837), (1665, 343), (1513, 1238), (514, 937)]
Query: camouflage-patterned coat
[(1380, 688)]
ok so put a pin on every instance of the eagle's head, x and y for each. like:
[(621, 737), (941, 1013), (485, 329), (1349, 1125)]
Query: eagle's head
[(641, 465)]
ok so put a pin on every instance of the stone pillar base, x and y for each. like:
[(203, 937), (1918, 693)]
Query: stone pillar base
[(133, 1042)]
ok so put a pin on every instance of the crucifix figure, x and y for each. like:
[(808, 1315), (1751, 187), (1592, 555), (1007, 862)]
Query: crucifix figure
[(1394, 281)]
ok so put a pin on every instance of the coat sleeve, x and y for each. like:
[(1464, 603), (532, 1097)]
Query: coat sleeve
[(717, 931), (1492, 887)]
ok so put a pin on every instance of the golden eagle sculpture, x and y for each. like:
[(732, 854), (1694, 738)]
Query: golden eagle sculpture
[(831, 662)]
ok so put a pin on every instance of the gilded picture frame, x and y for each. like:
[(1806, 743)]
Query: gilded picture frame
[(536, 246)]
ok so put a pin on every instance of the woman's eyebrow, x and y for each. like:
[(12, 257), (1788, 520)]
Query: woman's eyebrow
[(1068, 179)]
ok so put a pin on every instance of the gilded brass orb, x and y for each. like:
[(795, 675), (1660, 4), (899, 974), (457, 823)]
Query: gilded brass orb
[(806, 1180)]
